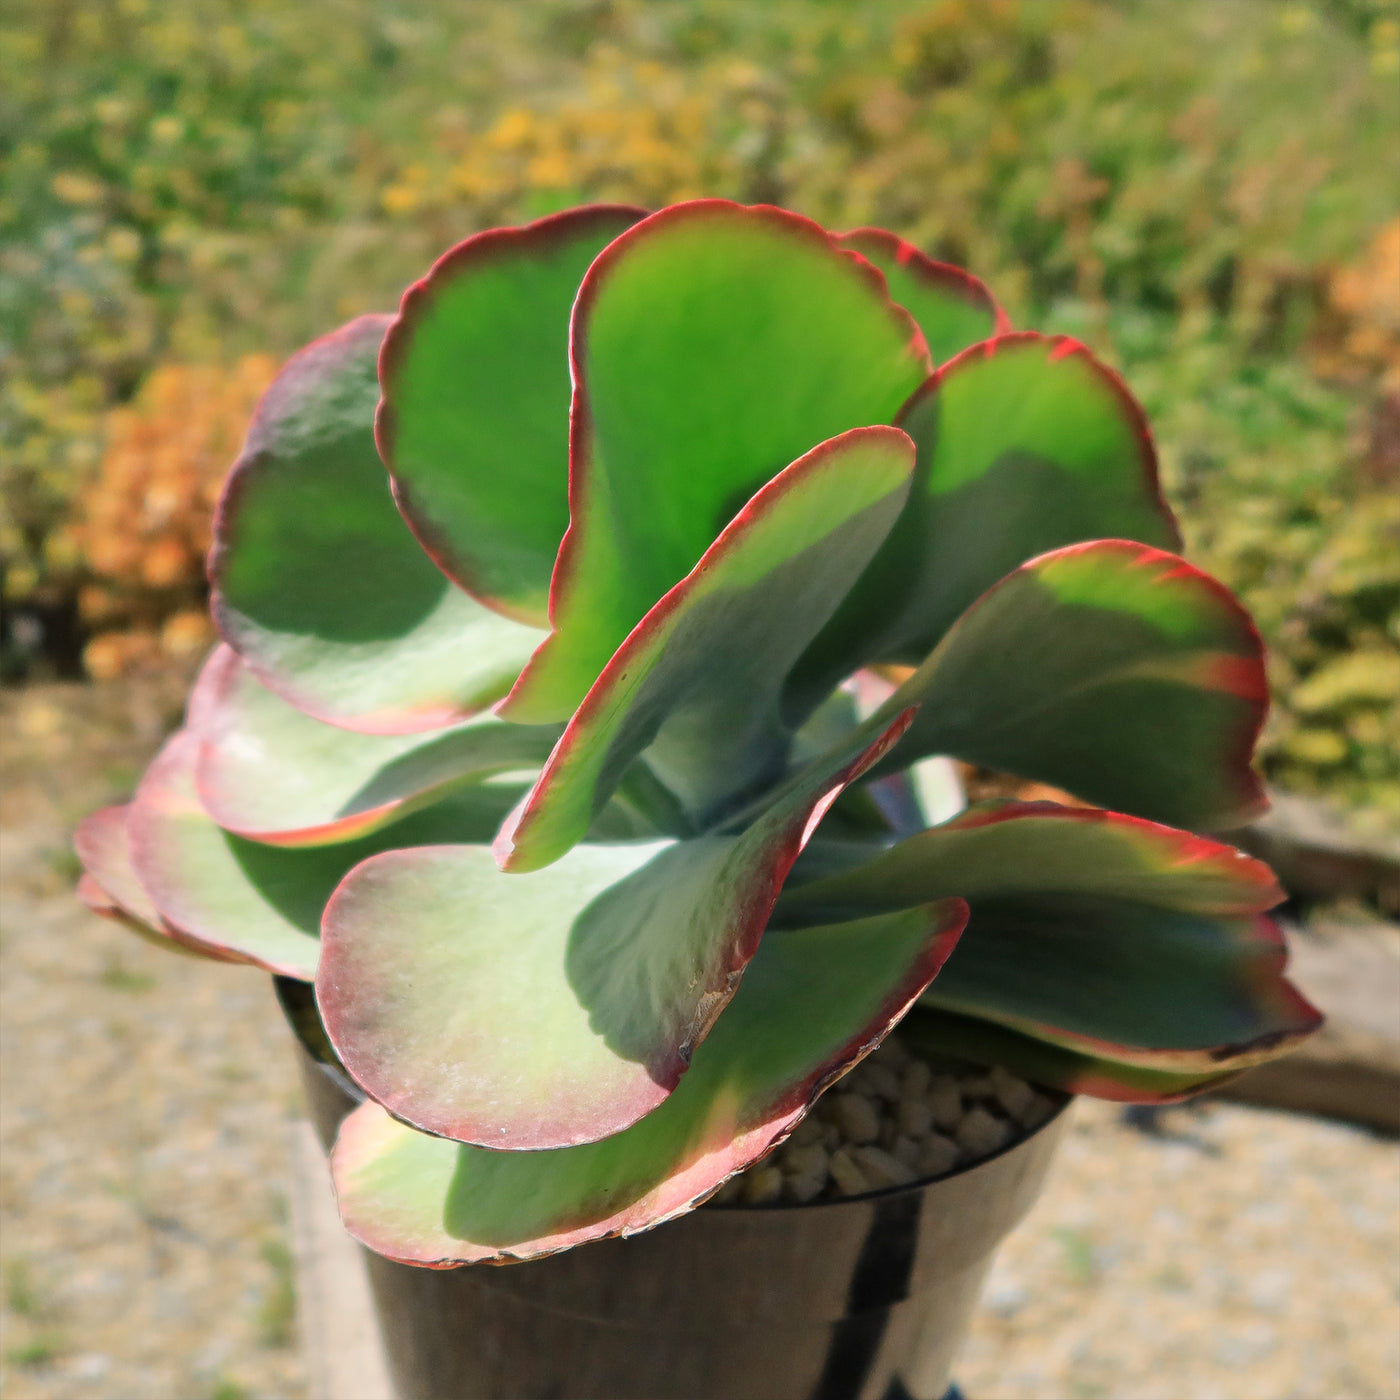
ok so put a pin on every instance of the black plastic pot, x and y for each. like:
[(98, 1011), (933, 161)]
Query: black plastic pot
[(865, 1299)]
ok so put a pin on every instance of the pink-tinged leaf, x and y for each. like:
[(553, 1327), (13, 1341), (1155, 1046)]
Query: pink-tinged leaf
[(256, 903), (475, 419), (812, 1004), (108, 885), (270, 772), (103, 846), (1115, 671), (1026, 443), (953, 308), (698, 681), (558, 1007), (191, 872), (317, 581), (711, 344)]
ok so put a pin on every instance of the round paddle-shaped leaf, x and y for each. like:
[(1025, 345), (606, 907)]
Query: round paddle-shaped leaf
[(953, 309), (1115, 671), (268, 771), (544, 1010), (475, 419), (813, 1003), (318, 583), (257, 903), (711, 345)]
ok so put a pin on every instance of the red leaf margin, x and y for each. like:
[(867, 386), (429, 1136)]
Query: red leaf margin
[(698, 1178), (478, 249)]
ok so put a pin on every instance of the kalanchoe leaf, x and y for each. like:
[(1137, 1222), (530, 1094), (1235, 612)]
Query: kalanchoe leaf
[(1121, 940), (317, 581), (103, 845), (1115, 671), (1121, 981), (697, 682), (193, 875), (711, 344), (953, 309), (109, 886), (475, 419), (813, 1003), (1003, 848), (268, 771), (545, 1010), (1026, 443), (257, 903), (937, 1032)]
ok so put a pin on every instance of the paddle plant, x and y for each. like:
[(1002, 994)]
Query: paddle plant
[(590, 759)]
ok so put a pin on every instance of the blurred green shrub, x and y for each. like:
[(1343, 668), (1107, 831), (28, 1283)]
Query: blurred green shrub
[(1183, 183)]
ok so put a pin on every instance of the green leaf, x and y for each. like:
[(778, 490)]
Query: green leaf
[(1025, 444), (711, 345), (812, 1004), (548, 1009), (270, 772), (262, 904), (1000, 848), (475, 420), (1120, 980), (1115, 671), (953, 309), (317, 581), (1119, 940), (697, 683)]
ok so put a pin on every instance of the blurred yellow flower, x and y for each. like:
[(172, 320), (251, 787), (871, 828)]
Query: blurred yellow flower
[(73, 188)]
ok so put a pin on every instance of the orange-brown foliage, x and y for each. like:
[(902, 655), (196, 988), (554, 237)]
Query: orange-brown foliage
[(143, 526)]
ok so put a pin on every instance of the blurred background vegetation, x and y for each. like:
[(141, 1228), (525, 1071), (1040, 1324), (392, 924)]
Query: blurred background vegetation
[(1205, 192)]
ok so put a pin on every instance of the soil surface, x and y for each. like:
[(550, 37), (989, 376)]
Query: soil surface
[(1213, 1251)]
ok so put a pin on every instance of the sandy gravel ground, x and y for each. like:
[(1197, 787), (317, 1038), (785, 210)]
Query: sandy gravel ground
[(143, 1172)]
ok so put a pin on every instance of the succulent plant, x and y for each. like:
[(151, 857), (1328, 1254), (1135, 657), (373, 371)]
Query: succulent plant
[(593, 762)]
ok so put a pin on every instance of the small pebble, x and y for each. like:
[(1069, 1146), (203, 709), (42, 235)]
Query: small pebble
[(937, 1154), (945, 1100), (850, 1180), (980, 1133), (804, 1188), (978, 1086), (906, 1150), (762, 1185), (1037, 1111), (881, 1080), (1013, 1094), (856, 1117), (915, 1080), (882, 1168), (914, 1117), (894, 1120), (804, 1160)]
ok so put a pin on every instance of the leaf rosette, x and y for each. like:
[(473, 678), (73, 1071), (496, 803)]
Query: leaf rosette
[(547, 736)]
